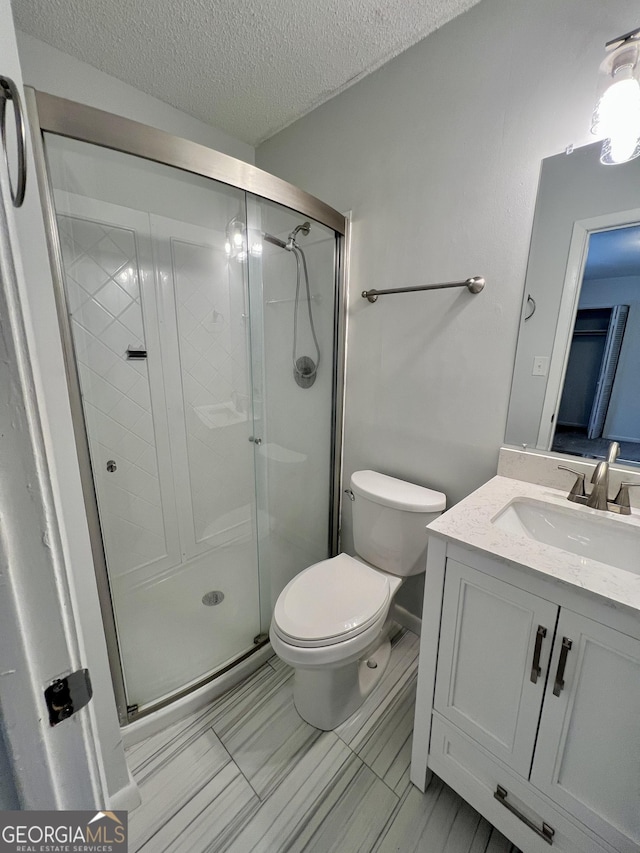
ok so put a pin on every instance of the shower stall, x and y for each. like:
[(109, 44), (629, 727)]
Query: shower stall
[(200, 303)]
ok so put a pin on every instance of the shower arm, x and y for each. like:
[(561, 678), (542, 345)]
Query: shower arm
[(474, 285)]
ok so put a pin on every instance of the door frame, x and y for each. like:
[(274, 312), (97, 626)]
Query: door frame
[(572, 285), (41, 607)]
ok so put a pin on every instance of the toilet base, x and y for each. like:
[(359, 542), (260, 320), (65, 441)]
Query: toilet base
[(326, 696)]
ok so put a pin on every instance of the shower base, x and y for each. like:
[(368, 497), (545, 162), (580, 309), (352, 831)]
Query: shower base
[(178, 709)]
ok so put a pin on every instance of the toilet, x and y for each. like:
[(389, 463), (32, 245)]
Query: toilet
[(331, 622)]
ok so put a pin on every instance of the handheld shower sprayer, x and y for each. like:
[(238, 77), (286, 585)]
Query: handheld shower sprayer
[(305, 369)]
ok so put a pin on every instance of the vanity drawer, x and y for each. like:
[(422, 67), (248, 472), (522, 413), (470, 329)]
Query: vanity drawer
[(468, 769)]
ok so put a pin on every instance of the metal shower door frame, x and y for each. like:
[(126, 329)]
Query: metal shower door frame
[(49, 113)]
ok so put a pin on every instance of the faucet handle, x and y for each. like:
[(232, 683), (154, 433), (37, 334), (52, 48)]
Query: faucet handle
[(614, 452), (622, 498), (577, 490)]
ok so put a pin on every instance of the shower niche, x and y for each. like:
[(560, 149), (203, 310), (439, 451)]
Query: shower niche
[(187, 306)]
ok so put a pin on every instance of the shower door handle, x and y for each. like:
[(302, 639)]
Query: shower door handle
[(135, 354), (9, 92), (257, 441)]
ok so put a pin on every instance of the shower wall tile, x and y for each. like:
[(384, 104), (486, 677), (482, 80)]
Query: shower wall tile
[(93, 317), (139, 392), (118, 337), (121, 377), (113, 298), (87, 273), (101, 267), (131, 319), (215, 370)]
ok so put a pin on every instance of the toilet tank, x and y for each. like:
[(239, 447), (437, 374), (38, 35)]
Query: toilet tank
[(389, 520)]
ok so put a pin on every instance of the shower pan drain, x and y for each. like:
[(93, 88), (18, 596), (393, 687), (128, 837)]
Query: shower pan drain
[(213, 597)]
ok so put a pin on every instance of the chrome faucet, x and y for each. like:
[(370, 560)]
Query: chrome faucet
[(598, 498)]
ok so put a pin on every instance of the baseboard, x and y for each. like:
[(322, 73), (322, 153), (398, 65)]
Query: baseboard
[(407, 619)]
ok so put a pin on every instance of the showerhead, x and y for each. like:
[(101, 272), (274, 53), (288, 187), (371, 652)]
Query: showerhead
[(305, 228)]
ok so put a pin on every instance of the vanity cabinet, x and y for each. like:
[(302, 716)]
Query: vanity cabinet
[(493, 637), (587, 758), (535, 718)]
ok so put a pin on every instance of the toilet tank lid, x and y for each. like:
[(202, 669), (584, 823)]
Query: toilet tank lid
[(398, 494)]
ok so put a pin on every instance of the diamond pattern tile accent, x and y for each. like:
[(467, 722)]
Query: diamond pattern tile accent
[(102, 283)]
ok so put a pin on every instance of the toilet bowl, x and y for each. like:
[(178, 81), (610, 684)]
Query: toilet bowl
[(331, 623)]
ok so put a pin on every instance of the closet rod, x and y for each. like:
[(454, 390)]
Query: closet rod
[(474, 285)]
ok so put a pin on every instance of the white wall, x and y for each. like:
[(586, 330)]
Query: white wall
[(52, 71), (438, 154)]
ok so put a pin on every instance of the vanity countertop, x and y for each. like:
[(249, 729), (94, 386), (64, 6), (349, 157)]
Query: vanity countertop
[(469, 524)]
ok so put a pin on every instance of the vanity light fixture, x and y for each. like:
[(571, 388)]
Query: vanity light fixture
[(616, 117)]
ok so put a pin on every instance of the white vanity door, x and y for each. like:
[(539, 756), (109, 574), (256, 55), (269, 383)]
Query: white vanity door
[(492, 636), (588, 752)]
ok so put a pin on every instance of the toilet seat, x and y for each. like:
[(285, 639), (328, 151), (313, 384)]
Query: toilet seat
[(331, 602)]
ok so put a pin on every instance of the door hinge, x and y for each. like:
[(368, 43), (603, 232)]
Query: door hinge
[(67, 695), (132, 710)]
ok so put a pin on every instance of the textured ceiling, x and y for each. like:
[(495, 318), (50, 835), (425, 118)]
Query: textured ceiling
[(249, 67)]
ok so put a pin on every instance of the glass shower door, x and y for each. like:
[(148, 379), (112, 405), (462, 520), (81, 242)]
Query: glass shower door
[(158, 320), (293, 305)]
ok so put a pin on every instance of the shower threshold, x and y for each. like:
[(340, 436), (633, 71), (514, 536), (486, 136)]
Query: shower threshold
[(156, 716)]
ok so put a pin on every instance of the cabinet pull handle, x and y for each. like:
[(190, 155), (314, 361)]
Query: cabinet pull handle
[(546, 833), (564, 651), (9, 92), (536, 670)]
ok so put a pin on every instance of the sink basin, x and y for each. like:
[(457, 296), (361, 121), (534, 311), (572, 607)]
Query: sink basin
[(582, 533)]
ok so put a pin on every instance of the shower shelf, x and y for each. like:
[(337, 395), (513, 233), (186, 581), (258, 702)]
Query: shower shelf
[(314, 298), (220, 415)]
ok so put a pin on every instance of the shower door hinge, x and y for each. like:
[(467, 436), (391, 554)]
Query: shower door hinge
[(67, 695), (132, 710)]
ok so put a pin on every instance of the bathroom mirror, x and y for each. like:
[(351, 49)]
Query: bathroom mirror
[(575, 385)]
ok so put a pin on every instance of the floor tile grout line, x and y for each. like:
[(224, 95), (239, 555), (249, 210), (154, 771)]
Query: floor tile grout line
[(393, 818), (309, 816), (263, 698), (236, 765), (173, 742), (403, 682), (400, 804), (183, 805), (362, 761)]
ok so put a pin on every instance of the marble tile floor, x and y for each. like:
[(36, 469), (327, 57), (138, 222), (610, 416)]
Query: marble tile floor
[(248, 775)]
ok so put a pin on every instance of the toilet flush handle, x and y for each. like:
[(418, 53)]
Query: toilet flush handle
[(348, 492)]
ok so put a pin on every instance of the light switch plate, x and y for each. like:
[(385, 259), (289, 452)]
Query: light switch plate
[(540, 365)]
